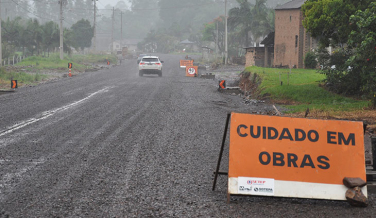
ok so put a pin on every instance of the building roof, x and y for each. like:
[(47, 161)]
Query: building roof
[(269, 39), (294, 4)]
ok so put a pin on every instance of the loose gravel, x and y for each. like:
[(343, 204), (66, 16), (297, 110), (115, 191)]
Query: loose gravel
[(145, 147)]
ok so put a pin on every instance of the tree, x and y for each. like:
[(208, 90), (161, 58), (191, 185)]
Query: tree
[(51, 36), (328, 20), (263, 20), (33, 36), (241, 18), (362, 41), (83, 33), (257, 20), (209, 33), (351, 69)]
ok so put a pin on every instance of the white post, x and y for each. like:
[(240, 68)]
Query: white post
[(112, 32), (1, 54), (226, 48), (94, 29), (121, 27), (61, 31)]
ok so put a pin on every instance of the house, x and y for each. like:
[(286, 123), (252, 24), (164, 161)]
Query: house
[(261, 55), (291, 40), (254, 56)]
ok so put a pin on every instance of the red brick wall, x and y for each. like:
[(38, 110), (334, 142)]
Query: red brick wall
[(287, 26)]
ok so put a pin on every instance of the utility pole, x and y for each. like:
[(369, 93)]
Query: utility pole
[(1, 52), (121, 28), (217, 40), (112, 32), (94, 29), (226, 48), (61, 31)]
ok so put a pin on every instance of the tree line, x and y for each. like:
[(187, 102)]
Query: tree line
[(247, 23), (31, 37)]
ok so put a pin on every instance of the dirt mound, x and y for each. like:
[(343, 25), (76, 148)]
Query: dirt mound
[(249, 84)]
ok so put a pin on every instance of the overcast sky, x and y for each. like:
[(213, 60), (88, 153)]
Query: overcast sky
[(102, 3)]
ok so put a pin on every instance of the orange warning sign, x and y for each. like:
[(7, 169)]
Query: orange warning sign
[(185, 63), (191, 71), (70, 65), (14, 84), (294, 157), (222, 84)]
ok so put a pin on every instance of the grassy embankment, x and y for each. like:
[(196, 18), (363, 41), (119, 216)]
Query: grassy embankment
[(21, 77), (301, 90), (35, 67)]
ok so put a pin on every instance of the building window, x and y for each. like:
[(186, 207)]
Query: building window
[(290, 18), (296, 41)]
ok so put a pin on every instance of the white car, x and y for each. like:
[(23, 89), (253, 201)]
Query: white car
[(150, 65)]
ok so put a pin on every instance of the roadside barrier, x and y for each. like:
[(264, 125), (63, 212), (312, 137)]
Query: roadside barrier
[(186, 63), (14, 84), (292, 157), (70, 65), (222, 84), (191, 71)]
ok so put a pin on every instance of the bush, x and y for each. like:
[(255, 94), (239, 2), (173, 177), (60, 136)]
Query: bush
[(310, 61)]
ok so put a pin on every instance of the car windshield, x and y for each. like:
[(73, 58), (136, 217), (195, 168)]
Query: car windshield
[(150, 60)]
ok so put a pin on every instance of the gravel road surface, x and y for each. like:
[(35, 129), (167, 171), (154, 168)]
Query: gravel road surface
[(113, 144)]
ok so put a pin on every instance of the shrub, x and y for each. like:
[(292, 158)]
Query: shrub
[(310, 61)]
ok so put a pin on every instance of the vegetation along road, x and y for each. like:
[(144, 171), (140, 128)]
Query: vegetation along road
[(113, 144)]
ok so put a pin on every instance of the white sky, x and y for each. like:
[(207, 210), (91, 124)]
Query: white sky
[(102, 3)]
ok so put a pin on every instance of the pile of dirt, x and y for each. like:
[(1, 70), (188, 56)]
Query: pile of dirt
[(249, 84)]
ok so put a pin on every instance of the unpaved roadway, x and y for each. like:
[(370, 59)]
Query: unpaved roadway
[(113, 144)]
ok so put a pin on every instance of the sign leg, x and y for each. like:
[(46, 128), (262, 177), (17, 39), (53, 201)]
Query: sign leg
[(221, 152)]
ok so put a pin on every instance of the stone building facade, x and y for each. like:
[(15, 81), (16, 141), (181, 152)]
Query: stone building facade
[(292, 41)]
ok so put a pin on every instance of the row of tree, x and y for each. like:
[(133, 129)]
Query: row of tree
[(31, 37)]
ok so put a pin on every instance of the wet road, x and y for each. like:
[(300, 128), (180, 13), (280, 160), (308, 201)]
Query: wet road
[(113, 144)]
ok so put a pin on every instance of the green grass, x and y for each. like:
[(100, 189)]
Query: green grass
[(21, 77), (54, 62), (301, 88), (92, 58), (48, 63)]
